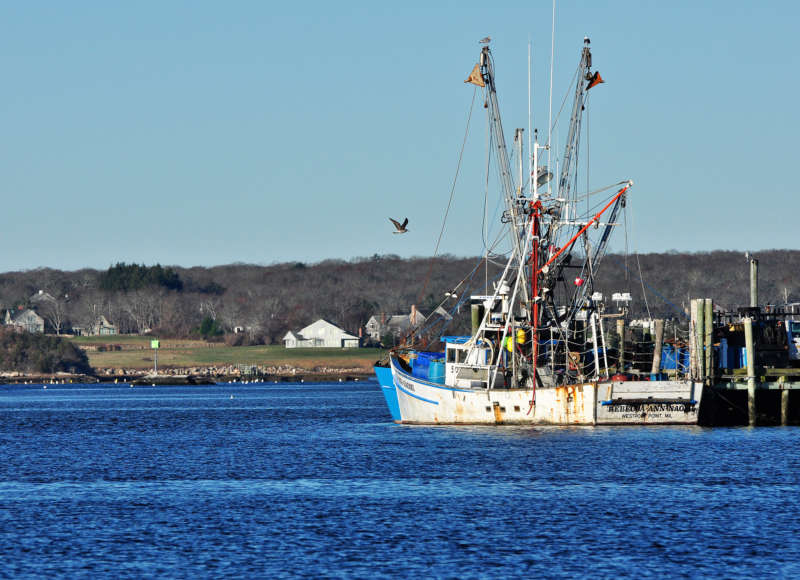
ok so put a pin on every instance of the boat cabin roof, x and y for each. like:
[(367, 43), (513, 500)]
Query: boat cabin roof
[(454, 339)]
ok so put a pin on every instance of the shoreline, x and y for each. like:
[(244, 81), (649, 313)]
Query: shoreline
[(191, 376)]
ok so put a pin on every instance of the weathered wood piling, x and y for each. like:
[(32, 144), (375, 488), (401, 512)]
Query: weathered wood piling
[(744, 362), (751, 371), (658, 331)]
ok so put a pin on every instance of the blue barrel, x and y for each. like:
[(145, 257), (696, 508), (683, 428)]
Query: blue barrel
[(421, 362), (436, 372), (668, 357)]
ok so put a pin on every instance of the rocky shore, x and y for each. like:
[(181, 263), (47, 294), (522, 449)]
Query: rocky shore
[(197, 375)]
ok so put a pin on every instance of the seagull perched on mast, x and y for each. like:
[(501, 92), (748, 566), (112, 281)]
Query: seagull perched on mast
[(485, 40), (401, 227)]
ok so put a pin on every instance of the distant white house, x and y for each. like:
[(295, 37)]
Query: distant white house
[(320, 334)]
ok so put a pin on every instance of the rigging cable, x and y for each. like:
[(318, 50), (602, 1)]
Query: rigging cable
[(627, 251), (462, 298), (455, 178), (588, 242), (600, 190), (484, 226), (588, 149), (452, 194), (550, 99), (566, 96), (641, 279), (649, 287), (638, 265)]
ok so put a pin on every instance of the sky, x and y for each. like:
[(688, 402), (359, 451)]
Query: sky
[(201, 133)]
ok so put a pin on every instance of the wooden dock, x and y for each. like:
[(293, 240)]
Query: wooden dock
[(757, 394), (773, 399)]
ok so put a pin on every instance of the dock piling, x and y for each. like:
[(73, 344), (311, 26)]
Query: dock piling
[(659, 339), (708, 338), (784, 407), (698, 337), (751, 371), (753, 282)]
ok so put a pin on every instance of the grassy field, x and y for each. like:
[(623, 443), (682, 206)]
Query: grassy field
[(135, 353)]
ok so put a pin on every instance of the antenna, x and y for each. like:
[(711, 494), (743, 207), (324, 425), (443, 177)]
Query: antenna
[(550, 112), (530, 125)]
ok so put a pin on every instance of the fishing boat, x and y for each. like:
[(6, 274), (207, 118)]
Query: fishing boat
[(536, 352)]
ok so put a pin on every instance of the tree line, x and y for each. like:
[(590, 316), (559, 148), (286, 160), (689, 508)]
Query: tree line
[(252, 304)]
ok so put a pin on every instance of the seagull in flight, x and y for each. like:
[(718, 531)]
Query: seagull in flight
[(401, 227)]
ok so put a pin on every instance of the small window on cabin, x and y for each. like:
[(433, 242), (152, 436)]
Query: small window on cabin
[(451, 355)]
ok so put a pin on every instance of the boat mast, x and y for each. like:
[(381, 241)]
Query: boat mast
[(536, 209), (558, 221), (569, 160), (504, 165)]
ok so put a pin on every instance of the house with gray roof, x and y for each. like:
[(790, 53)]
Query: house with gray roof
[(100, 327), (41, 297), (397, 325), (26, 320)]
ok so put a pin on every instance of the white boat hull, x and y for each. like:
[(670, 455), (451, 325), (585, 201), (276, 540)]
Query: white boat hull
[(611, 403)]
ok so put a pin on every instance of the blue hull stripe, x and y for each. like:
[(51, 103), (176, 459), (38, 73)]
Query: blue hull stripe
[(428, 383), (410, 394)]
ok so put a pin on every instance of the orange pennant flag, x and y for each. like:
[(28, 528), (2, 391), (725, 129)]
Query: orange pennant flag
[(475, 77), (595, 79)]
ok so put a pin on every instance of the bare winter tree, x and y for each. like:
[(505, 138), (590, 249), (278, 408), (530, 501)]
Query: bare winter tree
[(209, 307), (179, 316), (144, 308), (233, 310), (54, 311)]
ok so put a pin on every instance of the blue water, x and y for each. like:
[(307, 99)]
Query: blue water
[(290, 480)]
